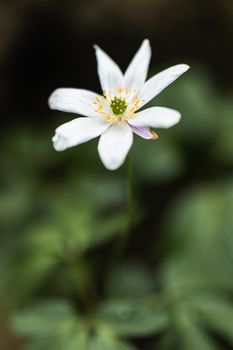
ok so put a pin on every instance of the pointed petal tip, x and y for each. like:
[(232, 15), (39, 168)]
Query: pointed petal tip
[(51, 100), (54, 138), (98, 50), (57, 149), (112, 167), (57, 144), (180, 68), (184, 67), (54, 96), (178, 117), (136, 73), (51, 104), (111, 164), (146, 41)]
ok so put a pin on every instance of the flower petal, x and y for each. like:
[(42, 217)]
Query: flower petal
[(156, 117), (78, 131), (74, 101), (114, 145), (160, 81), (145, 133), (136, 72), (109, 73)]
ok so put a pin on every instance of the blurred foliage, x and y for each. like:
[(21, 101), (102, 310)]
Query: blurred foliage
[(66, 280)]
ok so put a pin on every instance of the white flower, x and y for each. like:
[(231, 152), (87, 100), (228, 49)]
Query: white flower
[(113, 116)]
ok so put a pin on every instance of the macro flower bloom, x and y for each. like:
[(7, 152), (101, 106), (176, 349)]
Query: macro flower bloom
[(115, 116)]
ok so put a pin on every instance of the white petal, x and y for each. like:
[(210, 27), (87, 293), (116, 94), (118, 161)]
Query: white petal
[(114, 145), (109, 73), (78, 131), (74, 101), (160, 81), (143, 132), (156, 117), (136, 72)]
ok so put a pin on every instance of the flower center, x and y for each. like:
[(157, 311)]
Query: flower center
[(118, 105)]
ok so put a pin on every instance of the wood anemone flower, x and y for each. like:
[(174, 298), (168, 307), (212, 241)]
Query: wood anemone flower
[(115, 116)]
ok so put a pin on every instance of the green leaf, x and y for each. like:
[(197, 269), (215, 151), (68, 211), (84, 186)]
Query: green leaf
[(191, 335), (44, 319), (216, 313), (78, 338), (132, 317), (108, 342), (82, 217), (75, 231), (60, 342), (51, 325), (199, 227)]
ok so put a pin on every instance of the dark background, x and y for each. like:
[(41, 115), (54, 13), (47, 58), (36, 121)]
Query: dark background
[(46, 44)]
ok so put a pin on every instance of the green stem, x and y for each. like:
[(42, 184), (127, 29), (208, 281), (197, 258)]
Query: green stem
[(130, 207), (82, 281), (130, 198)]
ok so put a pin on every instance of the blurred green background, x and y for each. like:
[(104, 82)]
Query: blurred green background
[(69, 279)]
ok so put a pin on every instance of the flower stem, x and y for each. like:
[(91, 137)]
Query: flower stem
[(82, 281), (130, 198), (130, 207)]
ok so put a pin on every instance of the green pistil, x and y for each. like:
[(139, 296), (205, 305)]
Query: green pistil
[(118, 105)]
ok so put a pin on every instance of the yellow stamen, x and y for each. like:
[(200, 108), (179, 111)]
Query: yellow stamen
[(109, 100)]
